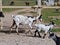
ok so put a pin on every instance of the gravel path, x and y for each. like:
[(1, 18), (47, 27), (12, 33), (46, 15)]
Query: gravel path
[(21, 39)]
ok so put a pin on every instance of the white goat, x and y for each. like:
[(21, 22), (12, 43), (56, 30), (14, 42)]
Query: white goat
[(43, 27), (20, 19)]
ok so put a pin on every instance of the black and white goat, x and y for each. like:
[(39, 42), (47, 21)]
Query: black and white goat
[(20, 19), (55, 38), (43, 27)]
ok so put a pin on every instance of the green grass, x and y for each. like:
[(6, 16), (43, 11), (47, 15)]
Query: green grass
[(56, 30), (7, 2), (10, 9), (51, 12), (53, 30)]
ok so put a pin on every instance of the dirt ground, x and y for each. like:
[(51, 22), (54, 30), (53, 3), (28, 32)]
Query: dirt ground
[(22, 39)]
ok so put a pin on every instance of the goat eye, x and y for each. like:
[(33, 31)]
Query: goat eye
[(34, 20)]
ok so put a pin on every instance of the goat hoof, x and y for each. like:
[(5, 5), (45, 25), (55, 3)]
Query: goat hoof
[(43, 37), (34, 35), (39, 36), (17, 33)]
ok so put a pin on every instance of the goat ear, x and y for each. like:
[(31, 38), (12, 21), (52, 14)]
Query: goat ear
[(38, 17)]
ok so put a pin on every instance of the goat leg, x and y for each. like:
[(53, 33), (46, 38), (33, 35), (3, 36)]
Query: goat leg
[(35, 33), (12, 26), (44, 36), (39, 34), (17, 30)]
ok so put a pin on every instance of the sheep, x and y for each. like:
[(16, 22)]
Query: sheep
[(43, 27), (20, 19), (55, 38)]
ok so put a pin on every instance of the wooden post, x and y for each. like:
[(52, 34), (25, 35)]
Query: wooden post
[(39, 7), (1, 17), (39, 3), (39, 11)]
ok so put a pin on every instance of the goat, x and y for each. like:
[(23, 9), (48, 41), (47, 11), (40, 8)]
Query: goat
[(20, 19), (43, 27), (55, 38)]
